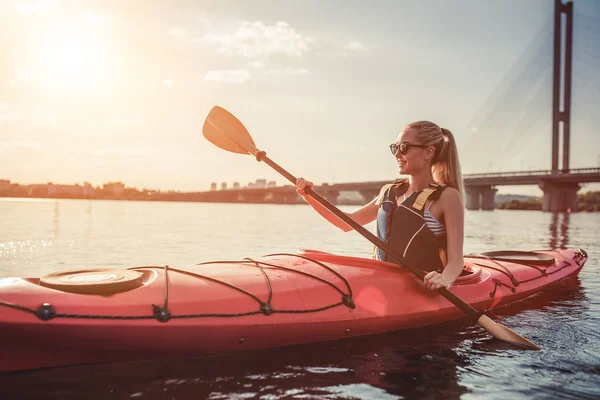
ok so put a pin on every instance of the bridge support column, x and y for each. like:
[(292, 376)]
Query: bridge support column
[(487, 198), (559, 197), (331, 196), (473, 198), (368, 195), (277, 198), (293, 198), (480, 197)]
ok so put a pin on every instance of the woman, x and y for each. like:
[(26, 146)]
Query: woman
[(432, 194)]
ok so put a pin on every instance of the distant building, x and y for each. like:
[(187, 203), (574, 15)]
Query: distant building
[(114, 188), (38, 190), (272, 184), (72, 190), (87, 190), (236, 185), (224, 186), (259, 184), (213, 186)]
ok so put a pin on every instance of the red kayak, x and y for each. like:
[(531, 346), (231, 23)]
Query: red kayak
[(100, 315)]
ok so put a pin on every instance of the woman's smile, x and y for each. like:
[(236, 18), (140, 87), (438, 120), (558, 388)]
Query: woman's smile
[(401, 162)]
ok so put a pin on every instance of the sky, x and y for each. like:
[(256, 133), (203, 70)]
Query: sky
[(103, 91)]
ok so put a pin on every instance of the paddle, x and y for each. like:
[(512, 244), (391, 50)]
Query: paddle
[(224, 130)]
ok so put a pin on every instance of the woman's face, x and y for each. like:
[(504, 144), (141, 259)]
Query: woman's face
[(416, 158)]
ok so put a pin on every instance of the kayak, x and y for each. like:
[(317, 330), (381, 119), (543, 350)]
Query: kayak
[(108, 315)]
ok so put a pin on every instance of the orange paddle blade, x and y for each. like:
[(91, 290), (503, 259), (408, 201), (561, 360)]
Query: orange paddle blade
[(503, 333), (224, 130)]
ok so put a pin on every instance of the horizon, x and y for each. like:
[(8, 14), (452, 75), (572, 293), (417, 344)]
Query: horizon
[(115, 92), (219, 188)]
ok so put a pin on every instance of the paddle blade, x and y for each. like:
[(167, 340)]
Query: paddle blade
[(224, 130), (503, 333)]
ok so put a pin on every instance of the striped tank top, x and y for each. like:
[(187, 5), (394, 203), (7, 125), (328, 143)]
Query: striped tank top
[(433, 224)]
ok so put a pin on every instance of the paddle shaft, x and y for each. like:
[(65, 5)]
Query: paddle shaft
[(419, 273)]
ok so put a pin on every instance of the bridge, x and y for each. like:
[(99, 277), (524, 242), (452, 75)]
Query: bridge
[(480, 189), (559, 187), (512, 113)]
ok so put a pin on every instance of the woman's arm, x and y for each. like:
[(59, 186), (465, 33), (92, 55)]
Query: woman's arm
[(454, 218), (362, 216)]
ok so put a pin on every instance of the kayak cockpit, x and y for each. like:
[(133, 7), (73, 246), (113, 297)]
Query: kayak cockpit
[(471, 273)]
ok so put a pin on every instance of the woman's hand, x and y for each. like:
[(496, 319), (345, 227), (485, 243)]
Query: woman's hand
[(301, 184), (434, 281)]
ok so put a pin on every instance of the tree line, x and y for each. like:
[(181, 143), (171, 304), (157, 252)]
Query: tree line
[(589, 201)]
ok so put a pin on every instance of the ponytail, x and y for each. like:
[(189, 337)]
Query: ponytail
[(446, 168), (445, 165)]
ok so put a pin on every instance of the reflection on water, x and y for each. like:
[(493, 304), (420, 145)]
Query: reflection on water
[(56, 220), (378, 367), (89, 227), (559, 231)]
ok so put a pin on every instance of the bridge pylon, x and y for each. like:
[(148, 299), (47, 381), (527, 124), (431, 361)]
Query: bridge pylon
[(559, 197), (561, 90)]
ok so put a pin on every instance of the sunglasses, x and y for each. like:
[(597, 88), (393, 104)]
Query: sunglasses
[(403, 147)]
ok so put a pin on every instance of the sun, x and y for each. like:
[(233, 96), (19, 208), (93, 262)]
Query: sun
[(73, 58)]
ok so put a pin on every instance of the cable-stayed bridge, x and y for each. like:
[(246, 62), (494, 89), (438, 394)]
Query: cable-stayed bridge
[(552, 88), (552, 91)]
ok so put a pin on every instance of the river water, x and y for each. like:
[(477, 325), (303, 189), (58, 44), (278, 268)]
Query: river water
[(454, 360)]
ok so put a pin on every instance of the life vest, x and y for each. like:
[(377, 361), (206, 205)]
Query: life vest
[(403, 227)]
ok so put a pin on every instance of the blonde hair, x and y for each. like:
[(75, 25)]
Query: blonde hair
[(445, 165)]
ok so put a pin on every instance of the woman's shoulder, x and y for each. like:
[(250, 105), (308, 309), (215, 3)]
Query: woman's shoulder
[(397, 183), (451, 196), (449, 189)]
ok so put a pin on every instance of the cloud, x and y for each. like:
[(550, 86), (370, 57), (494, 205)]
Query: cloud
[(177, 32), (256, 39), (227, 76), (256, 64), (354, 45), (33, 7)]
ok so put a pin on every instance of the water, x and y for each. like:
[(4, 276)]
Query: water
[(454, 360)]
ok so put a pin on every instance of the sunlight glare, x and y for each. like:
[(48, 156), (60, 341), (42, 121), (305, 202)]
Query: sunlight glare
[(73, 59)]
